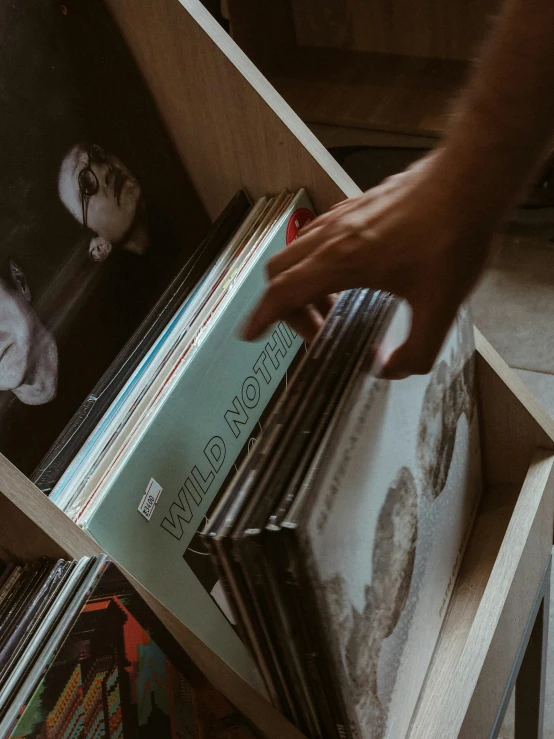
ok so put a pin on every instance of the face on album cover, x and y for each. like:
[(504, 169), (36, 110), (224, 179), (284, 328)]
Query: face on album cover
[(96, 213)]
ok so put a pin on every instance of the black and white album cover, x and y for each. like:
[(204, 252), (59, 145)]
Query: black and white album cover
[(96, 213), (384, 532)]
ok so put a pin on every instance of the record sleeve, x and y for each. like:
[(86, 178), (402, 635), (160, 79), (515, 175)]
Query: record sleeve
[(16, 591), (22, 635), (270, 457), (341, 547), (25, 673), (72, 492), (286, 468), (31, 584), (186, 440), (196, 554), (115, 669), (6, 569), (159, 360), (15, 573), (402, 476), (93, 408)]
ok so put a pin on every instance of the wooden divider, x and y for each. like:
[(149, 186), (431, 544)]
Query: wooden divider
[(230, 126), (495, 591)]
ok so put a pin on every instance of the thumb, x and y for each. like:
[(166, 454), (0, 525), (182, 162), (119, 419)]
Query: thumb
[(416, 356)]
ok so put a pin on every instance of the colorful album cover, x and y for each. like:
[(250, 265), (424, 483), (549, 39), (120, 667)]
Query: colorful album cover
[(119, 673), (96, 213)]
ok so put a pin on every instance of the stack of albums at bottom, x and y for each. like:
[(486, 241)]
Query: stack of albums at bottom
[(339, 539), (82, 655)]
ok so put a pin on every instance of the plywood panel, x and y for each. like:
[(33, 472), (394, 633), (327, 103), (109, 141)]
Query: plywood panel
[(230, 126), (31, 526), (513, 424), (265, 31), (489, 610), (482, 550)]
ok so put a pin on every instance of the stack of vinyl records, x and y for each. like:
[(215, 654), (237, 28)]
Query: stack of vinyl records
[(339, 539), (201, 323), (168, 425), (81, 654)]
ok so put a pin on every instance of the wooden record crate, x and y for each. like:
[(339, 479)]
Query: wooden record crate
[(233, 130)]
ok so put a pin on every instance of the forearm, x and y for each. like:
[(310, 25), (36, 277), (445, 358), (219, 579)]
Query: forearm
[(504, 120)]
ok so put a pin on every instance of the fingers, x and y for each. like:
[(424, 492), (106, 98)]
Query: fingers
[(323, 305), (338, 205), (430, 325), (306, 322), (289, 291), (304, 246), (322, 232)]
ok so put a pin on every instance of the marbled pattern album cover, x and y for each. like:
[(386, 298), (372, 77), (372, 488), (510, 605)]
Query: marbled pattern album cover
[(384, 536)]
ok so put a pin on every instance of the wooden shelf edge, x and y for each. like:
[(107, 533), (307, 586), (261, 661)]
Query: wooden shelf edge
[(32, 525), (515, 385), (501, 570), (513, 424), (270, 95), (127, 12)]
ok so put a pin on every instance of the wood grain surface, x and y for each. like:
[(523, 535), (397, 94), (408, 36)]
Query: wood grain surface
[(494, 594), (230, 127)]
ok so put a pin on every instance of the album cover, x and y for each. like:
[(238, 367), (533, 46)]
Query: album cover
[(97, 216), (341, 537), (287, 466), (380, 537), (17, 606), (248, 502), (16, 641), (119, 673), (73, 491), (171, 468), (24, 674), (196, 554)]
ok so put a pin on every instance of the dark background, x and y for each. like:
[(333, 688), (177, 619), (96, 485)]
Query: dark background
[(65, 77)]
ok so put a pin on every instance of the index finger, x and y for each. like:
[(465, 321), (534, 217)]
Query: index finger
[(299, 250), (289, 291)]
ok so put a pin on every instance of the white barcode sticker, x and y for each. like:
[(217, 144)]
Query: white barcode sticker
[(150, 498)]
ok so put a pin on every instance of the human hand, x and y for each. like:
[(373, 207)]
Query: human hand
[(418, 235)]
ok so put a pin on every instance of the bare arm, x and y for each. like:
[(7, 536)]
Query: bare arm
[(506, 115), (425, 234)]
